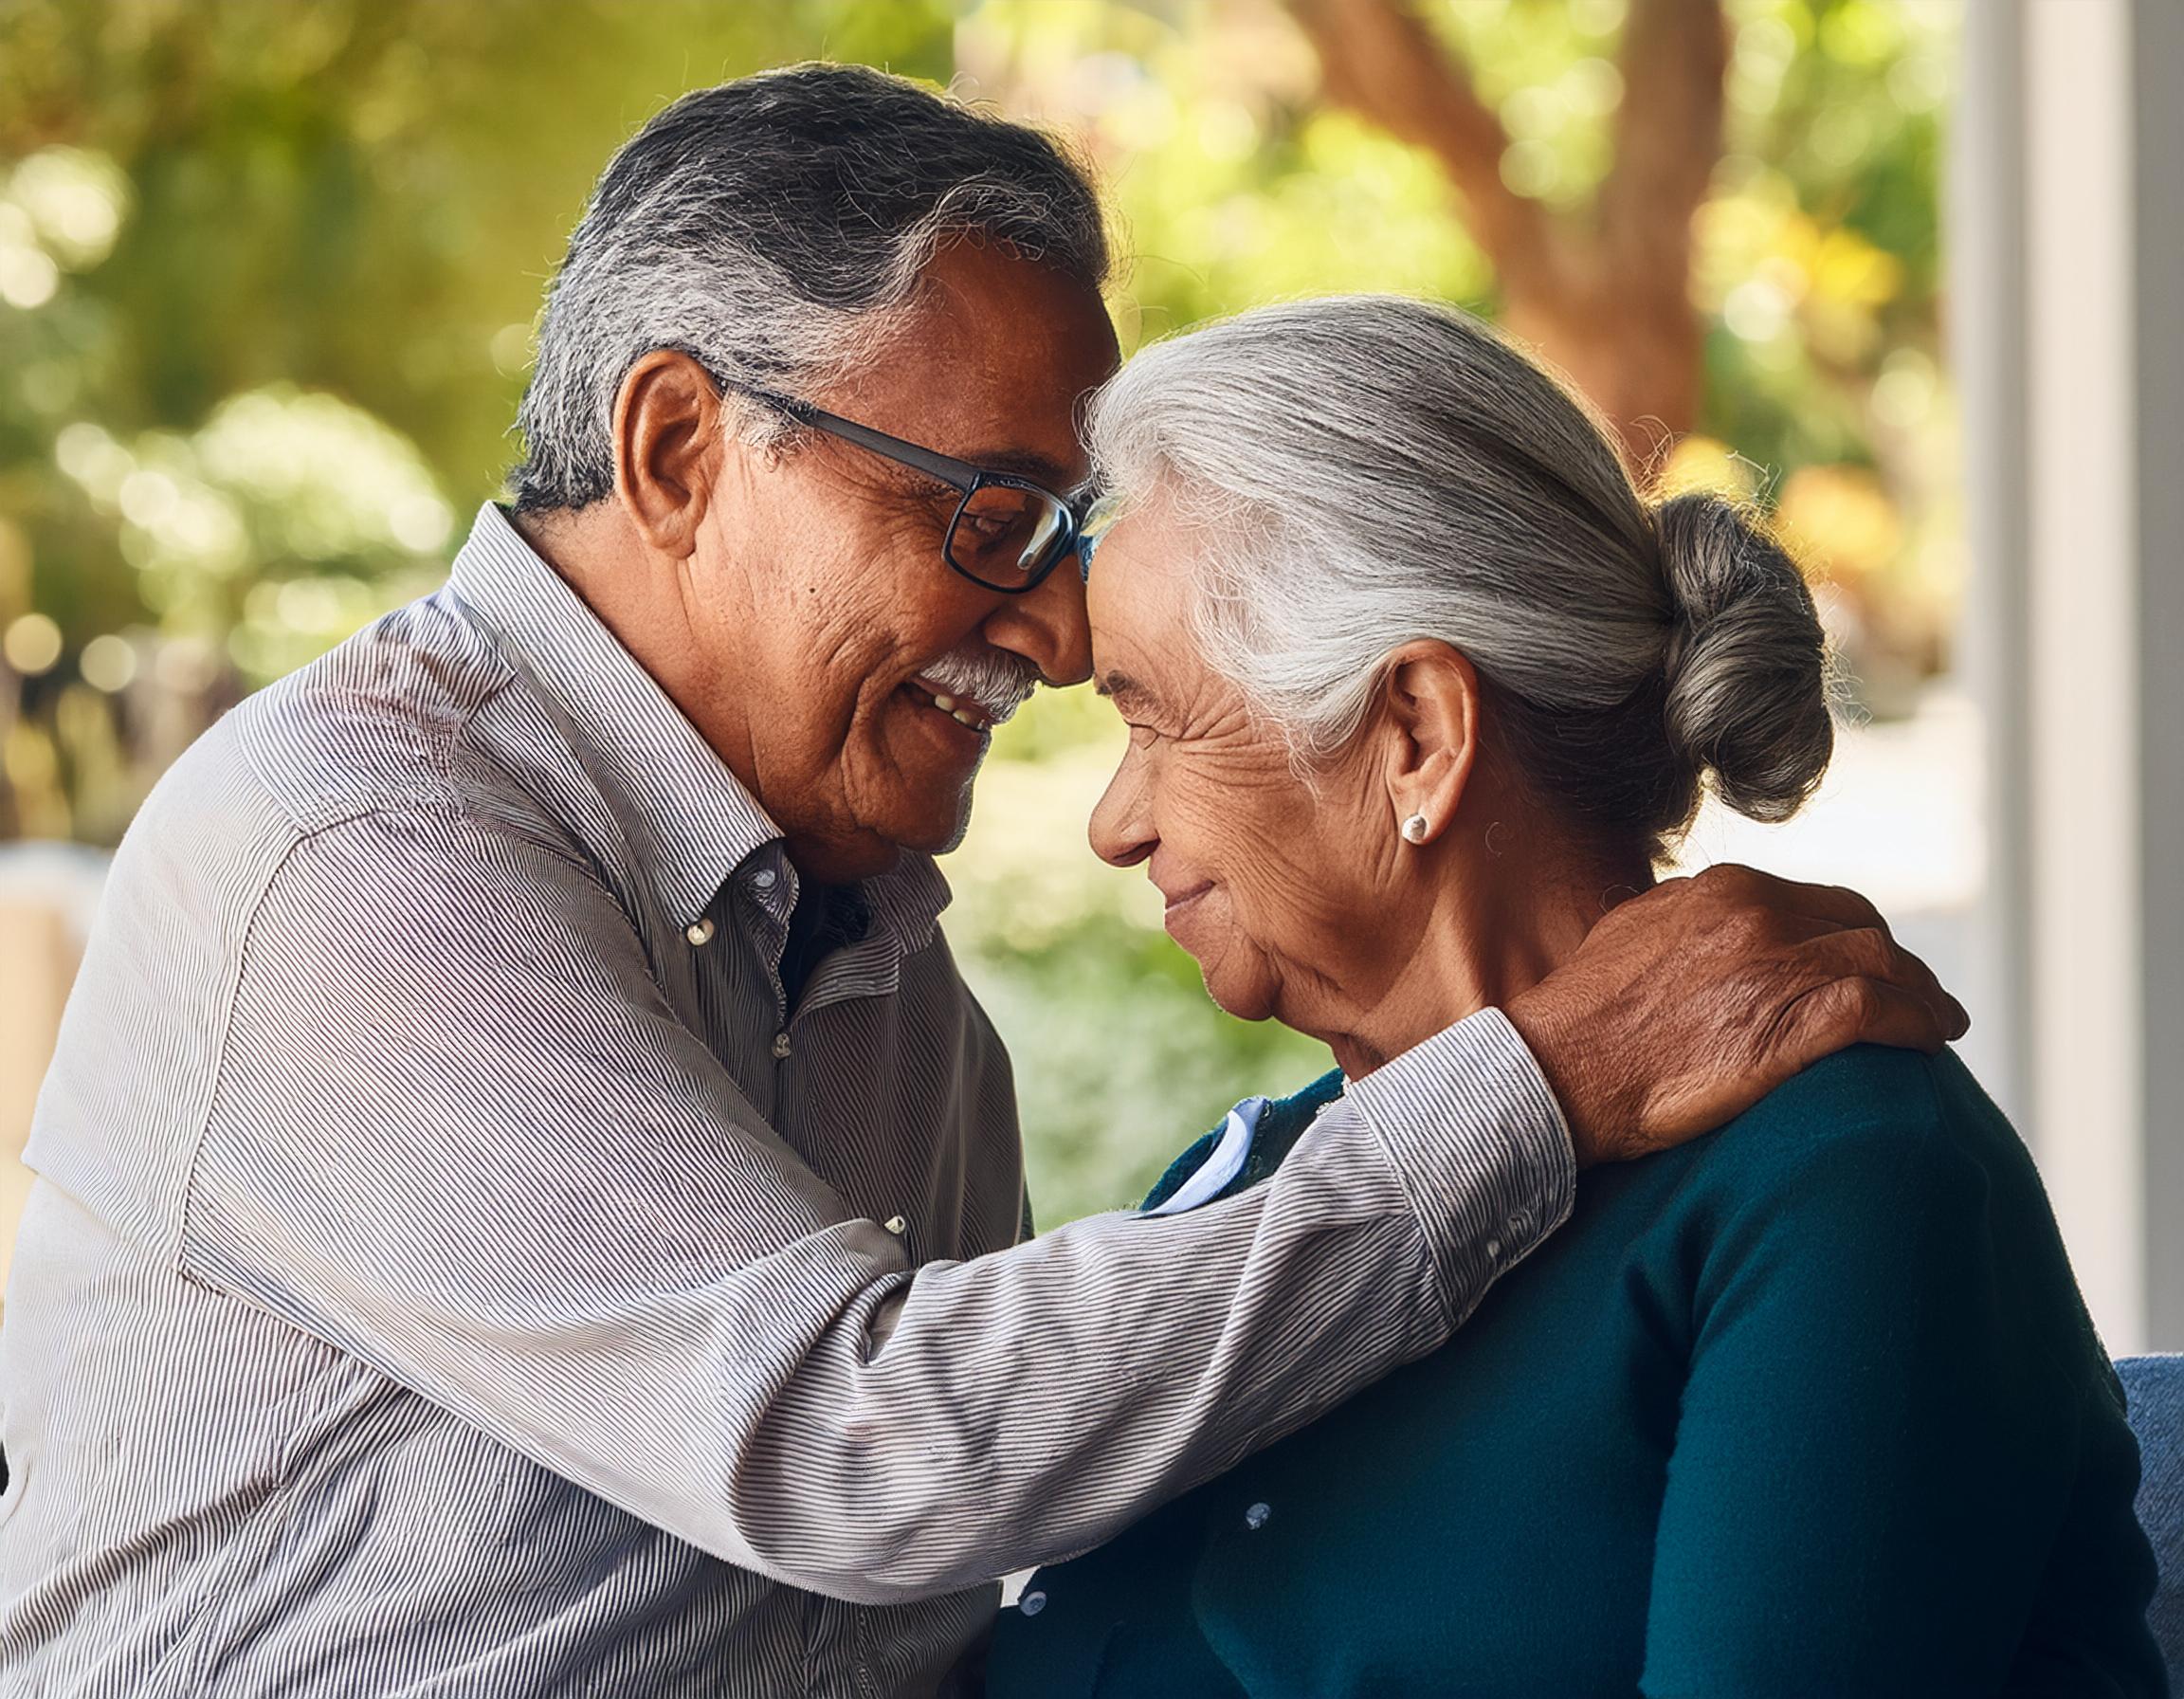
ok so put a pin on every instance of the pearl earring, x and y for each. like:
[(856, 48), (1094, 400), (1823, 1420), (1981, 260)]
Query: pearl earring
[(1414, 830)]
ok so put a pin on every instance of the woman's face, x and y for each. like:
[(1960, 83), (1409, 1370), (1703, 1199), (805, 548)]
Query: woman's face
[(1271, 882)]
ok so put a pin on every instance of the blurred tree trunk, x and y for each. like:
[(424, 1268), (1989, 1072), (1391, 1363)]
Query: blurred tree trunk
[(1605, 294)]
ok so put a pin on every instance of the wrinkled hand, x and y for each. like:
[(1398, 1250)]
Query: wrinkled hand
[(1686, 1005)]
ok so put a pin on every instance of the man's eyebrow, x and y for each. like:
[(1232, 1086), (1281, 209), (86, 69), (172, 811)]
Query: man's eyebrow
[(1047, 470)]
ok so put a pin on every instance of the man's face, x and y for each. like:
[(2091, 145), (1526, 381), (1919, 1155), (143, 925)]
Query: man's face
[(822, 597)]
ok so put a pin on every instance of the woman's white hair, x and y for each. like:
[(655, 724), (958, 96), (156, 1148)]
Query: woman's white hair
[(1366, 470)]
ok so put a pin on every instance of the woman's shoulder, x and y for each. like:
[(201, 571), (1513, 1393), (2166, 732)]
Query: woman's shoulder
[(1873, 1125), (1867, 1093), (1870, 1114)]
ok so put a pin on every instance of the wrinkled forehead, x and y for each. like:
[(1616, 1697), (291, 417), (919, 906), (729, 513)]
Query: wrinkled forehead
[(1139, 596), (992, 361)]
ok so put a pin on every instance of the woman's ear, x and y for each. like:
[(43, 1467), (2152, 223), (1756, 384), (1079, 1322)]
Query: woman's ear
[(667, 420), (1431, 700)]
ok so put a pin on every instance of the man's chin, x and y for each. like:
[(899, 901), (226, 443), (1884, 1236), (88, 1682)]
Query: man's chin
[(919, 825), (838, 861), (942, 838)]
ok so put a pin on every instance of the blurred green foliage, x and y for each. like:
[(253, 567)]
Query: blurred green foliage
[(268, 272)]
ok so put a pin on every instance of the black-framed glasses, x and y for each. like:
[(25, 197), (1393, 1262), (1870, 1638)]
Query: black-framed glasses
[(1007, 531)]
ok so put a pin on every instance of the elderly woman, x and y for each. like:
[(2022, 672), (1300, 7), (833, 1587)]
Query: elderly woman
[(1418, 686)]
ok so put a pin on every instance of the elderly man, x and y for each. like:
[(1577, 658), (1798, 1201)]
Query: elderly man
[(527, 1205)]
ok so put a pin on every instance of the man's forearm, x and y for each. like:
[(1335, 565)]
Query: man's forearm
[(1029, 1404), (728, 1373)]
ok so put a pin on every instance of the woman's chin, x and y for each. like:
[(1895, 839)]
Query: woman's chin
[(1236, 976), (1246, 1000)]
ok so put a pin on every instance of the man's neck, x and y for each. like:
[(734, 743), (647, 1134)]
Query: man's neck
[(592, 553), (639, 598)]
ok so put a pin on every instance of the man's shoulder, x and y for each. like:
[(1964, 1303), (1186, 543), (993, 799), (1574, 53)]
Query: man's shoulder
[(381, 728), (381, 722)]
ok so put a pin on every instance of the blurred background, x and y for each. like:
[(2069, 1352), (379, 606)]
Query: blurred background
[(1889, 267)]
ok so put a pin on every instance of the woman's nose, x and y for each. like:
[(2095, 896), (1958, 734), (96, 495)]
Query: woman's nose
[(1121, 830)]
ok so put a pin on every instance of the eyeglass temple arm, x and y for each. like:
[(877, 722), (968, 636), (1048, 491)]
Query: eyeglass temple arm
[(959, 474)]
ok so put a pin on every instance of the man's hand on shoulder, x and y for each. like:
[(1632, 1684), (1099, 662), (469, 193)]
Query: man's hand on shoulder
[(1689, 1004)]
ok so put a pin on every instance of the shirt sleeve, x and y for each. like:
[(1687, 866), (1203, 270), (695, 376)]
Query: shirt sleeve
[(1875, 1442), (459, 1134)]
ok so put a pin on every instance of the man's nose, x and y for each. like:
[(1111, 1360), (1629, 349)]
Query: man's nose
[(1047, 626)]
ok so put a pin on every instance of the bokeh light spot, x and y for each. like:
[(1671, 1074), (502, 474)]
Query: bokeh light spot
[(108, 663), (31, 644)]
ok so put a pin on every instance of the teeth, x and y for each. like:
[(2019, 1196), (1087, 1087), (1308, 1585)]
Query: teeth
[(960, 709)]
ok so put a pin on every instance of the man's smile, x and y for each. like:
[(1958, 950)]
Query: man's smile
[(965, 709)]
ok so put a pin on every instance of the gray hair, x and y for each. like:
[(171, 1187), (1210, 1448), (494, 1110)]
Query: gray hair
[(770, 228), (1367, 470)]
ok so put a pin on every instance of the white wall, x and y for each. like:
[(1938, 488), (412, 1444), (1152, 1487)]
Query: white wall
[(2063, 257)]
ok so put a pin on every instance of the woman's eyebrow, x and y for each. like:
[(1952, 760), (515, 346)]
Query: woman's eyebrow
[(1124, 690)]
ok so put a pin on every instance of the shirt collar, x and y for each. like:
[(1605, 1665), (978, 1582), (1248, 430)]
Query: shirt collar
[(698, 821)]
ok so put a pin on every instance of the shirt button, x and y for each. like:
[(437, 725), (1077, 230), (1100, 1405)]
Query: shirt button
[(763, 878), (700, 931), (1255, 1518), (1493, 1247), (780, 1047), (1031, 1603), (895, 1224)]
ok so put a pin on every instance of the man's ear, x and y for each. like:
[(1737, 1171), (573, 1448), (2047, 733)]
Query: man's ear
[(667, 423), (1430, 696)]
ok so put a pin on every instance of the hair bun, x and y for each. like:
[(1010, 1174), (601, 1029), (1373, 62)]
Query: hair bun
[(1747, 669)]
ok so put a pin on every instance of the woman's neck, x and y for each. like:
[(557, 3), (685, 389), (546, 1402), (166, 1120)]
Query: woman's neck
[(1488, 927)]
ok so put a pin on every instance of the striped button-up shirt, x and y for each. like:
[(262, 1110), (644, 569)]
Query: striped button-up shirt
[(456, 1268)]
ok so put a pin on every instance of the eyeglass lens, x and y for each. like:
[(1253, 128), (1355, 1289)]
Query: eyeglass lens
[(1006, 535)]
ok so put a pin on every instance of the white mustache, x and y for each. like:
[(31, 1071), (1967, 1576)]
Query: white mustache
[(998, 682)]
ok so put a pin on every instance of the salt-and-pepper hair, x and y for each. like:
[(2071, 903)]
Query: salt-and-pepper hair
[(771, 228), (1361, 471)]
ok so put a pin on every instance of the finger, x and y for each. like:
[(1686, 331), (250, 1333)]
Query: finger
[(1870, 954), (1896, 1017), (1789, 905), (1835, 903), (1909, 971), (1853, 1011), (1838, 905), (1955, 1019)]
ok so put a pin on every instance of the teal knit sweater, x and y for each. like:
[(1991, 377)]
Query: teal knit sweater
[(1809, 1407)]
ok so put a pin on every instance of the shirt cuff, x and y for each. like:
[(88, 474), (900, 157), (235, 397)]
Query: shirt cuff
[(1481, 1147)]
